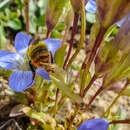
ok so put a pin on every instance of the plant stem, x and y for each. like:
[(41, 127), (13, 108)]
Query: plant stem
[(88, 87), (93, 98), (27, 15), (72, 118), (56, 102), (115, 100), (92, 55), (65, 34), (127, 121), (48, 34), (75, 22), (82, 37)]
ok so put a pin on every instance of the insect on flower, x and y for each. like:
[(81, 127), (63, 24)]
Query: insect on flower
[(39, 56), (23, 63)]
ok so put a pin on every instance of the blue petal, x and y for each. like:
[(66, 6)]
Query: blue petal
[(91, 6), (21, 80), (119, 23), (8, 59), (53, 45), (94, 124), (42, 73), (21, 42)]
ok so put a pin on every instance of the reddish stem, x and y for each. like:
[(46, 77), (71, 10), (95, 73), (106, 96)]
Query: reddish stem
[(95, 47), (65, 34), (89, 85), (75, 22), (127, 121), (48, 34), (27, 16), (93, 98), (56, 101)]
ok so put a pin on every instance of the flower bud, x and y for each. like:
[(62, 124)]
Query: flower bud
[(76, 5)]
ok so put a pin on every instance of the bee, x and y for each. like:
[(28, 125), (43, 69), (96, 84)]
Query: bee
[(39, 56)]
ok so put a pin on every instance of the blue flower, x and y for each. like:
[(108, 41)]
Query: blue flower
[(22, 77), (94, 124), (91, 8)]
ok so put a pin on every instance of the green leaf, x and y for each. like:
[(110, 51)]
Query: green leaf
[(60, 54), (120, 115), (66, 89), (2, 37), (56, 34), (109, 31), (120, 71), (127, 91), (48, 123), (4, 4), (19, 97), (91, 17), (55, 11), (75, 66), (15, 24), (60, 27), (88, 78)]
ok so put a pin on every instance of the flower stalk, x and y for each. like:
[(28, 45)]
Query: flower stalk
[(82, 11), (115, 100), (91, 56), (27, 15), (75, 22), (127, 121), (93, 98), (82, 94)]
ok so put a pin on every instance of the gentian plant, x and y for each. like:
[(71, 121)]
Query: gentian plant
[(43, 70)]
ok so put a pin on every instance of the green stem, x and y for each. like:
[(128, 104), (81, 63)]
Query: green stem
[(56, 102), (115, 100), (82, 34)]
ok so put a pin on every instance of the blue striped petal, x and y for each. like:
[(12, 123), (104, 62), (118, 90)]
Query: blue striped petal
[(21, 80), (42, 73), (8, 59), (21, 42), (53, 45), (94, 124), (91, 6)]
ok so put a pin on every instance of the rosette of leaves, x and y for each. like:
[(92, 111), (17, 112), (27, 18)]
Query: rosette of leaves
[(113, 59), (112, 51)]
